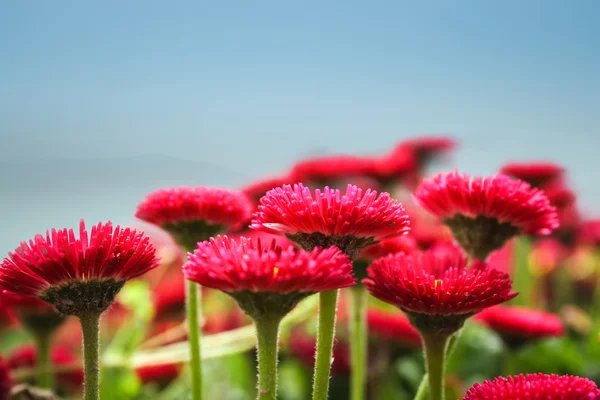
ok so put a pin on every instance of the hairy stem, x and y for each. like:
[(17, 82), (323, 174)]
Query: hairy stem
[(357, 326), (267, 332), (90, 326), (193, 319), (435, 347), (325, 336)]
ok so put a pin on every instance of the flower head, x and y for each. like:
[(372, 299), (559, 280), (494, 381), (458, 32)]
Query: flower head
[(395, 166), (426, 148), (5, 380), (159, 373), (517, 325), (34, 314), (193, 214), (396, 244), (535, 387), (326, 170), (589, 232), (484, 213), (26, 357), (248, 270), (537, 174), (77, 274), (258, 189), (435, 288), (349, 220), (392, 326)]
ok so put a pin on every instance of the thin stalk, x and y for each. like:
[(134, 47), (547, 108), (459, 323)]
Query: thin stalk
[(357, 326), (325, 336), (423, 390), (90, 327), (44, 361), (267, 332), (435, 347), (193, 319)]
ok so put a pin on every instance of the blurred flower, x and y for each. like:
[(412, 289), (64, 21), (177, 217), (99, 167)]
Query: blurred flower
[(350, 221), (162, 374), (589, 232), (559, 194), (395, 167), (249, 272), (427, 148), (302, 346), (258, 189), (546, 255), (535, 387), (191, 214), (537, 174), (78, 275), (169, 298), (26, 357), (5, 380), (34, 314), (484, 213), (435, 288), (325, 170), (396, 244), (518, 325), (392, 326)]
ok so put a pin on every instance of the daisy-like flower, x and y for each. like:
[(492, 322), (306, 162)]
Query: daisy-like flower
[(484, 213), (396, 244), (426, 148), (535, 387), (327, 170), (5, 380), (26, 356), (589, 232), (537, 174), (193, 214), (350, 220), (517, 325), (393, 326), (267, 279), (78, 275), (258, 189), (435, 288), (36, 315)]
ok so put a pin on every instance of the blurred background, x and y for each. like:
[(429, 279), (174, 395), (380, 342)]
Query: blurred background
[(101, 102)]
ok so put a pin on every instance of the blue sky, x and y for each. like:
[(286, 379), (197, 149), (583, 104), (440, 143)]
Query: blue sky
[(251, 86)]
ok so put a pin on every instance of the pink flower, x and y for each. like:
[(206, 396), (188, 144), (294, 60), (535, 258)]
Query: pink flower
[(537, 174), (535, 387), (349, 220), (484, 213)]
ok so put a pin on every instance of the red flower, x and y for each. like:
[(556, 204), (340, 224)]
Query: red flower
[(169, 297), (437, 283), (258, 189), (518, 325), (5, 380), (330, 217), (26, 357), (323, 170), (404, 243), (559, 194), (427, 147), (212, 206), (231, 266), (392, 326), (484, 213), (536, 173), (303, 346), (162, 373), (33, 313), (395, 166), (104, 253), (589, 232), (535, 387)]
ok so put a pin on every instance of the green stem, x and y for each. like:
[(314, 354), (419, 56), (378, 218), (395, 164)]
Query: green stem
[(44, 361), (357, 326), (511, 363), (267, 332), (193, 319), (523, 280), (435, 358), (90, 327), (325, 336), (423, 390)]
